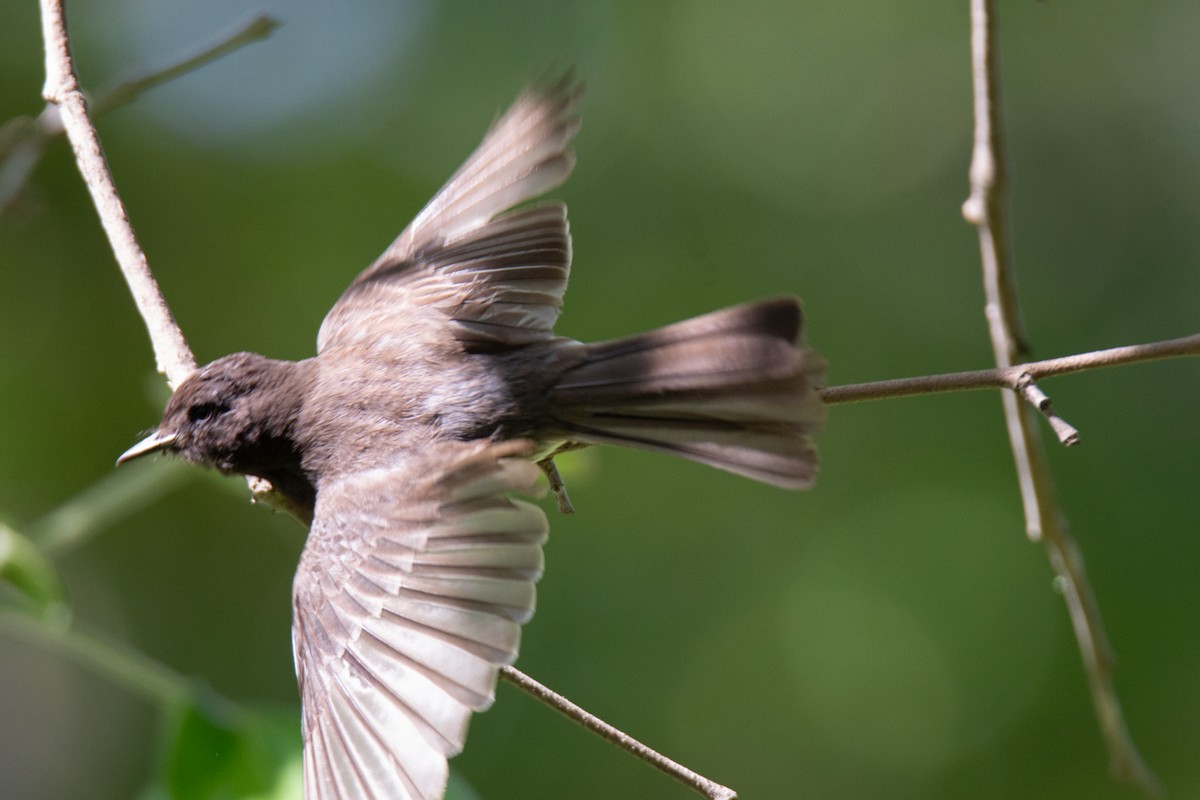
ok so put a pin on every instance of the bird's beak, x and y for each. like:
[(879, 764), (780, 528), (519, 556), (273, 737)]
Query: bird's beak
[(151, 444)]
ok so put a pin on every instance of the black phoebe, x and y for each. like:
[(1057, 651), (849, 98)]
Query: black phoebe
[(437, 385)]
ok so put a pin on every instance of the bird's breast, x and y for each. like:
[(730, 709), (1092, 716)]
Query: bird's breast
[(367, 408)]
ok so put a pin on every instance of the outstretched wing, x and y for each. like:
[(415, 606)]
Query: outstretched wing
[(499, 276), (409, 597)]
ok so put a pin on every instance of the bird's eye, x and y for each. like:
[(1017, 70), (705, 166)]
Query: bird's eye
[(203, 411)]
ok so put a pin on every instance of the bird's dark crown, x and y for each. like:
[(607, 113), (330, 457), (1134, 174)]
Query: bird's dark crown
[(237, 414)]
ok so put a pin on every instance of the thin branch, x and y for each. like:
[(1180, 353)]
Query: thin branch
[(1032, 394), (260, 27), (989, 184), (171, 352), (986, 209), (549, 697), (1012, 376), (23, 140)]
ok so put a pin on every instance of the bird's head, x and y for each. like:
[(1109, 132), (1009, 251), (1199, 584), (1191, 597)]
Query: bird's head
[(235, 415)]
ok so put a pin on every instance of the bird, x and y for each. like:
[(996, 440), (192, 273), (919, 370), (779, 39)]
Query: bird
[(439, 390)]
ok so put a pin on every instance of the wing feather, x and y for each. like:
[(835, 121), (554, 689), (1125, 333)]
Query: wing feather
[(498, 274), (408, 599), (524, 154)]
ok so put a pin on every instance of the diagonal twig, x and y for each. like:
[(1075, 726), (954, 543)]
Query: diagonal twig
[(709, 788), (985, 208), (23, 140), (128, 90), (174, 358)]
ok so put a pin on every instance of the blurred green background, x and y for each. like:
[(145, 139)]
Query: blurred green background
[(890, 634)]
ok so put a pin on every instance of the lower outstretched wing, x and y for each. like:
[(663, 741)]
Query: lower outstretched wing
[(408, 599)]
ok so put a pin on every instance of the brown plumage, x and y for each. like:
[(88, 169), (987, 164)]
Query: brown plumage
[(437, 384)]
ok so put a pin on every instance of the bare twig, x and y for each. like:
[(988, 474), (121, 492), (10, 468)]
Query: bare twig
[(23, 140), (1031, 393), (985, 208), (171, 351), (260, 27), (1018, 377), (701, 784), (1011, 377)]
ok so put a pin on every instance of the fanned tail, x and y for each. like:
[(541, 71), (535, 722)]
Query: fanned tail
[(734, 389)]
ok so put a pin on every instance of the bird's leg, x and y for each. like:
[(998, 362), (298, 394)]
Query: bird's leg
[(556, 485)]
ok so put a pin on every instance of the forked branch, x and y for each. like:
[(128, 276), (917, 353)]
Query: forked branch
[(985, 208), (23, 140), (1020, 378)]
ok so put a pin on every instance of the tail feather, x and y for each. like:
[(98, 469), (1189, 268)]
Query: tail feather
[(734, 389), (778, 457)]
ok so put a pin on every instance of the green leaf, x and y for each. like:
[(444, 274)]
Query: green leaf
[(23, 567), (256, 756), (253, 756)]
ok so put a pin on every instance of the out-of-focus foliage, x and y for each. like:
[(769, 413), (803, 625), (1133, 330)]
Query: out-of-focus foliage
[(890, 634), (27, 577), (253, 756)]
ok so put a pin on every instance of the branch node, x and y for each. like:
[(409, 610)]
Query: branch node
[(972, 209), (1009, 345), (1067, 434)]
